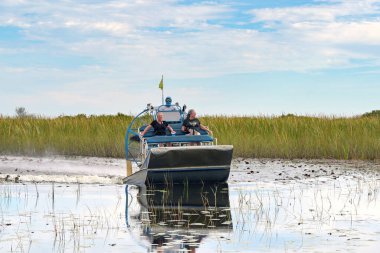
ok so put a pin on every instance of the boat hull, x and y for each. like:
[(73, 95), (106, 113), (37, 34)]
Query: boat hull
[(194, 164), (188, 175)]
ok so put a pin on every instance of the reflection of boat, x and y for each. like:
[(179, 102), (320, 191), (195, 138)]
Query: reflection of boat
[(175, 158), (186, 204), (180, 216)]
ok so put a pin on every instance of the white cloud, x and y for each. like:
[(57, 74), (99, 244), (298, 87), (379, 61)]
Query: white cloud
[(321, 13), (114, 28), (347, 33), (130, 42), (111, 16), (147, 38), (336, 22)]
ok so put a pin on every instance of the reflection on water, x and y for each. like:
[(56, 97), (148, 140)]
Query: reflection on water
[(179, 217), (326, 214)]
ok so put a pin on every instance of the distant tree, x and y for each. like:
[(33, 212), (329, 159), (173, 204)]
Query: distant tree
[(374, 113), (119, 114), (287, 115), (21, 112)]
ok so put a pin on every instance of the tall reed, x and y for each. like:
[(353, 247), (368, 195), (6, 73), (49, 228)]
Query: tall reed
[(299, 137), (101, 136), (265, 137)]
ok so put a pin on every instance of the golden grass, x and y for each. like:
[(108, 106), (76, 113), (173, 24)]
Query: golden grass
[(101, 136), (300, 137), (265, 137)]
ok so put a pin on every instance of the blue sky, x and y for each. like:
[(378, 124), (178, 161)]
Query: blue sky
[(221, 57)]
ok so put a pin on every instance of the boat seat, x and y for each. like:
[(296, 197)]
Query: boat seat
[(179, 138), (176, 127)]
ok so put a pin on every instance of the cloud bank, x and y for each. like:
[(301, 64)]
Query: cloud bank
[(118, 44)]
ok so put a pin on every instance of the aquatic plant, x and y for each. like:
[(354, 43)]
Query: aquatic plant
[(285, 136), (101, 136), (299, 137), (333, 213)]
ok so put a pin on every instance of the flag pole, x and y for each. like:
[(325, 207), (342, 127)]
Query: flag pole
[(162, 90)]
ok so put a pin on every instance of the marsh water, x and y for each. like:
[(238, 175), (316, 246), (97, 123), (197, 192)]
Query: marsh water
[(336, 211)]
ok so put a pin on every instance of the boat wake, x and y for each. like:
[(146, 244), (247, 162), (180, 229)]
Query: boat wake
[(84, 170)]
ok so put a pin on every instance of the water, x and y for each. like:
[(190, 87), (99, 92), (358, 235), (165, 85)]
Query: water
[(320, 214)]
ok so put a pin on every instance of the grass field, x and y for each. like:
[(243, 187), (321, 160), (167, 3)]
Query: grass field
[(265, 137)]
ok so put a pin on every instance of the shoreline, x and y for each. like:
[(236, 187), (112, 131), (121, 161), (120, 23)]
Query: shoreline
[(92, 170)]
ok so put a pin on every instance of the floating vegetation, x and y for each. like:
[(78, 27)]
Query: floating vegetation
[(327, 213)]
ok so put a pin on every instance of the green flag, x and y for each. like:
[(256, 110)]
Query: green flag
[(161, 85)]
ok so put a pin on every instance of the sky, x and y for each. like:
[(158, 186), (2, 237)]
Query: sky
[(236, 57)]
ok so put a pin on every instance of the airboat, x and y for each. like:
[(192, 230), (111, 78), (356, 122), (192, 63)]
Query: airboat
[(173, 158)]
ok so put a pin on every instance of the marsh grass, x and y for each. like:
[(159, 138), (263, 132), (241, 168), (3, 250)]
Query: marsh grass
[(101, 136), (299, 137), (287, 137)]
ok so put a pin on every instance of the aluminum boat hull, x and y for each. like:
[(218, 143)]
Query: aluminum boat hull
[(190, 164)]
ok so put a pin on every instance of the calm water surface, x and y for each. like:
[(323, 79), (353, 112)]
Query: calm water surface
[(316, 215)]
